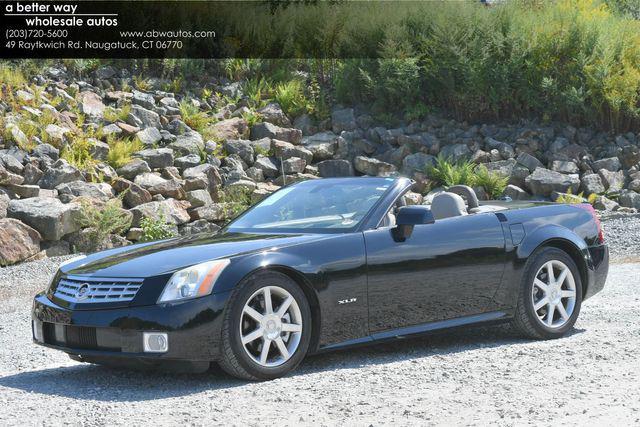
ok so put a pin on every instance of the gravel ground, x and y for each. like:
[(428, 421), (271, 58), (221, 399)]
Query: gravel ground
[(622, 233), (474, 377)]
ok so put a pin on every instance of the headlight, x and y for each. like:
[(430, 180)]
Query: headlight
[(193, 282)]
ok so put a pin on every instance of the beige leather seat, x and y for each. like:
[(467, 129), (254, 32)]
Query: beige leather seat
[(447, 205)]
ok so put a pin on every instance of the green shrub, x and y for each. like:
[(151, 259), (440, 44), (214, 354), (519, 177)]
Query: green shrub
[(114, 115), (237, 199), (121, 150), (11, 76), (103, 221), (493, 183), (448, 173), (193, 117), (575, 199), (156, 229), (258, 90), (78, 153), (291, 97)]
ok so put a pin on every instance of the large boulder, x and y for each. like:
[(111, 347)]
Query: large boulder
[(18, 241), (613, 181), (294, 165), (630, 156), (172, 211), (543, 182), (612, 164), (234, 128), (149, 136), (149, 179), (199, 198), (418, 162), (564, 166), (91, 104), (188, 143), (134, 194), (157, 158), (322, 145), (592, 184), (343, 120), (212, 212), (134, 168), (241, 147), (268, 130), (373, 167), (52, 218), (629, 199), (59, 173), (456, 152), (268, 167), (272, 113), (170, 188), (144, 99), (4, 204), (285, 150), (529, 161), (145, 118), (335, 168), (510, 168), (209, 173), (99, 191)]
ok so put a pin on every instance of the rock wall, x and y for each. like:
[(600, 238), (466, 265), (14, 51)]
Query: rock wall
[(185, 179)]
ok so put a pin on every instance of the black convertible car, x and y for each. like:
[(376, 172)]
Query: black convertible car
[(322, 265)]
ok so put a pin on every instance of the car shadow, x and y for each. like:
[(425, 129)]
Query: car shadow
[(108, 384)]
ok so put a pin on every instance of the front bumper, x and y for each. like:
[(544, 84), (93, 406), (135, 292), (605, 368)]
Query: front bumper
[(193, 329)]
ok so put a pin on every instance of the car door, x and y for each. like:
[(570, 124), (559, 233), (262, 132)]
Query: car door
[(448, 269)]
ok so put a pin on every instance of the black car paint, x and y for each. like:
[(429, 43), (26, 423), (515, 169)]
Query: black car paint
[(467, 272)]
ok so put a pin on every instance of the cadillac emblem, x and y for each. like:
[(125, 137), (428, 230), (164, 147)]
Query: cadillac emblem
[(83, 291)]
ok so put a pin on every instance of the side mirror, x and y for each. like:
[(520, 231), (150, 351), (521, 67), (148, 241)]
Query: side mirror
[(408, 217)]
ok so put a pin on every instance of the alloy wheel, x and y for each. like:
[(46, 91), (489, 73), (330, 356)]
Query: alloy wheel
[(271, 326), (553, 294)]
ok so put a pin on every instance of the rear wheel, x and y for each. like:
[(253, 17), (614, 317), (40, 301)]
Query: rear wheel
[(267, 327), (550, 295)]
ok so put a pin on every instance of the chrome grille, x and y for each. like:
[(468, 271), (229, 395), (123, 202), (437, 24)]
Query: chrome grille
[(89, 291)]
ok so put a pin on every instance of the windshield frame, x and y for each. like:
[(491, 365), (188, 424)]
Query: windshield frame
[(366, 219)]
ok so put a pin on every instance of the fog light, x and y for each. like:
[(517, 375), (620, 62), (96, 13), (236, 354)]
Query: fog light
[(155, 342)]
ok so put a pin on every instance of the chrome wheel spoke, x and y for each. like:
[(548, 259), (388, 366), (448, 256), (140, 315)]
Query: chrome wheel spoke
[(252, 336), (550, 312), (541, 285), (544, 301), (284, 306), (568, 293), (264, 353), (253, 313), (268, 303), (550, 274), (282, 348), (563, 312), (291, 327), (563, 276)]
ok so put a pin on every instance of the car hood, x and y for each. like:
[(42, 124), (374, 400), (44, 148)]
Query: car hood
[(167, 256)]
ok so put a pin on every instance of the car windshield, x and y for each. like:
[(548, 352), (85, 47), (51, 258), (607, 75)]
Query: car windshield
[(316, 206)]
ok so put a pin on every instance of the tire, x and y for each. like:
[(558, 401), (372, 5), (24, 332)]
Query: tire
[(537, 324), (246, 361)]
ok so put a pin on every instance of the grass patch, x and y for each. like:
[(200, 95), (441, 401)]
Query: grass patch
[(156, 229), (117, 115), (291, 97), (104, 220), (121, 150)]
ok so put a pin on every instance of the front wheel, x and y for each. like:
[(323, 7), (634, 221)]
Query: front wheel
[(550, 295), (266, 329)]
